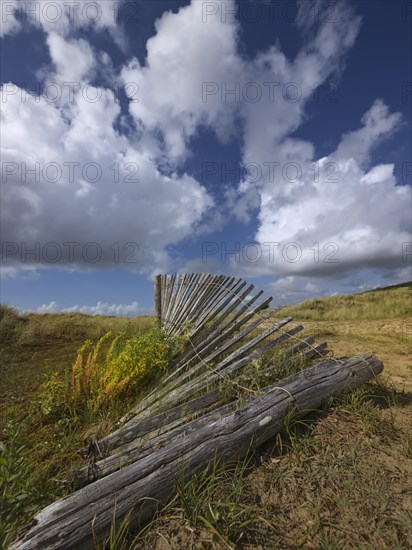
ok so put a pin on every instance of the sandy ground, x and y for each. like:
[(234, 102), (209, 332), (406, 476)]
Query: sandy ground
[(348, 485), (390, 340)]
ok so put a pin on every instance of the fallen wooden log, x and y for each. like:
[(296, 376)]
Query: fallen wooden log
[(141, 487), (134, 441), (138, 427)]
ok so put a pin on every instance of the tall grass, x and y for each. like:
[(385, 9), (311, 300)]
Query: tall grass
[(17, 493), (58, 400), (34, 328), (379, 304), (113, 368)]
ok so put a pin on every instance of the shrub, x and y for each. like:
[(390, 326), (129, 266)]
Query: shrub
[(17, 495), (55, 398), (113, 368), (140, 360), (9, 320)]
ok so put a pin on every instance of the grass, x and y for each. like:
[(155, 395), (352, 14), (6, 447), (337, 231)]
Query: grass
[(18, 493), (338, 480), (35, 344), (41, 428), (394, 303)]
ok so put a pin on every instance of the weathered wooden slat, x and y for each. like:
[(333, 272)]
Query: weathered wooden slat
[(231, 303), (169, 294), (198, 343), (136, 449), (171, 382), (202, 354), (291, 360), (247, 306), (215, 287), (287, 358), (136, 429), (198, 298), (177, 283), (176, 295), (184, 289), (205, 294), (141, 487), (132, 445), (157, 298), (252, 343), (199, 290), (297, 347), (216, 373), (163, 293), (175, 287), (219, 336), (221, 293), (237, 286), (184, 281), (186, 301), (224, 300), (233, 300)]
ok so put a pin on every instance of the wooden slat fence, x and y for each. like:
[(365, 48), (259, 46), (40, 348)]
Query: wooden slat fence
[(205, 407)]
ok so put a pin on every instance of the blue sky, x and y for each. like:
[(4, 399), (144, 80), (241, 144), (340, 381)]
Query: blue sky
[(269, 140)]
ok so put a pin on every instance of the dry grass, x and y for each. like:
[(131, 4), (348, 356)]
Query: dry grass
[(339, 480), (33, 345), (342, 479), (390, 303)]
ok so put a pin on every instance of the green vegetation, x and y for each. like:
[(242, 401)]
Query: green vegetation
[(393, 302), (52, 402), (36, 345), (17, 492), (114, 368), (339, 480)]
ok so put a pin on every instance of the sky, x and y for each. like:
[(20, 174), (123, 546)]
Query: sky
[(267, 140)]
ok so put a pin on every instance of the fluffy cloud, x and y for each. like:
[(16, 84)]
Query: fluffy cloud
[(130, 202), (188, 56), (70, 176), (101, 308), (73, 59), (377, 124), (63, 18), (340, 212), (340, 216), (194, 75)]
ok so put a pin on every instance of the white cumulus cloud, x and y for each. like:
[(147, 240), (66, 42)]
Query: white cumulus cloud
[(101, 308), (324, 224), (340, 213)]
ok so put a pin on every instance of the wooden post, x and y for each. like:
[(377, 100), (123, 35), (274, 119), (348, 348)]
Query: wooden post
[(157, 298)]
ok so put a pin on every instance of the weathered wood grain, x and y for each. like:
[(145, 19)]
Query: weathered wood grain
[(142, 486), (157, 298), (194, 415), (143, 438)]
